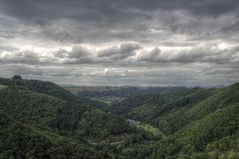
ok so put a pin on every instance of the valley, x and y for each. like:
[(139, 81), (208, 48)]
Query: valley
[(179, 123), (119, 79)]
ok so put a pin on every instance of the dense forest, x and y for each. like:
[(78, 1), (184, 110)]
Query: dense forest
[(43, 120), (121, 91)]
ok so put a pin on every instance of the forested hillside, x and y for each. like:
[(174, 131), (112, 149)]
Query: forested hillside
[(122, 91), (42, 120), (41, 113), (18, 140), (164, 111), (38, 86), (202, 123)]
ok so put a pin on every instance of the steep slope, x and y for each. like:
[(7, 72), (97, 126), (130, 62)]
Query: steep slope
[(38, 123), (211, 102), (221, 123), (223, 98), (38, 86), (18, 140), (49, 88), (208, 129), (201, 124), (54, 118), (214, 136), (163, 111), (64, 116), (211, 121), (125, 107)]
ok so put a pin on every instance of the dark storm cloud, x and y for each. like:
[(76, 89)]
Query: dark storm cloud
[(114, 14), (96, 21), (108, 9)]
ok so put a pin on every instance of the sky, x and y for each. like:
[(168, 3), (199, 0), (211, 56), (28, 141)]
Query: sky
[(121, 42)]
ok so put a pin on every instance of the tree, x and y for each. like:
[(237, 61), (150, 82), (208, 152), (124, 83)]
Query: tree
[(17, 77)]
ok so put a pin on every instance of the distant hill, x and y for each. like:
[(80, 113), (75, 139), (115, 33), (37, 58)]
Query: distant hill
[(38, 86), (123, 91)]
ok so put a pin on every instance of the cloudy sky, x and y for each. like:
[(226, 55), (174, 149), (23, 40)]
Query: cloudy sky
[(121, 42)]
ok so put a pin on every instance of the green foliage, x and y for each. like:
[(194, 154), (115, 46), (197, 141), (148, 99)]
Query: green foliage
[(70, 122), (28, 106), (120, 92), (223, 122), (163, 111), (151, 129), (42, 120), (2, 87), (101, 125), (18, 142), (199, 124), (148, 128), (38, 86), (17, 77)]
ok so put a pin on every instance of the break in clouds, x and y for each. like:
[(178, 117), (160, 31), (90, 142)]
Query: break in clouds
[(125, 42)]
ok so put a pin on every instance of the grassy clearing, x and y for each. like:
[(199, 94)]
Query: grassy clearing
[(149, 128), (2, 87)]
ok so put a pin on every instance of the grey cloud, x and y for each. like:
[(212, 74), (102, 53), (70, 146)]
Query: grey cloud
[(151, 56), (26, 70), (79, 52), (90, 10), (125, 53), (225, 71), (204, 54), (211, 7), (59, 38), (58, 34), (61, 53), (82, 54), (77, 55), (120, 52), (17, 56), (95, 21)]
